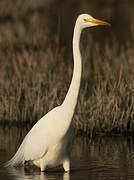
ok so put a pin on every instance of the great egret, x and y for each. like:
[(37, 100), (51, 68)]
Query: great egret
[(49, 142)]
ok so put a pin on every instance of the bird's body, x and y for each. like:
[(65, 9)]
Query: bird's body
[(58, 149), (50, 141), (46, 147)]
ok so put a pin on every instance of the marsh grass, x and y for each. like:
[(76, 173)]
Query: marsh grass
[(106, 102), (35, 73), (34, 80)]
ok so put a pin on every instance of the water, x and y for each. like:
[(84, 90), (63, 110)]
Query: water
[(102, 158)]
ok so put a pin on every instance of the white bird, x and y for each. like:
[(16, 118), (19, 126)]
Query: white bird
[(49, 142)]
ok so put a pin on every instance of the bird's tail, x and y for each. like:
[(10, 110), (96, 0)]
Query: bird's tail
[(18, 159)]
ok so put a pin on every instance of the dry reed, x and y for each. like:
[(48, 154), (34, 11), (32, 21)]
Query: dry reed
[(35, 74)]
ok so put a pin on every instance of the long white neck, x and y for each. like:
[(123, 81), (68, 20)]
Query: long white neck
[(72, 94)]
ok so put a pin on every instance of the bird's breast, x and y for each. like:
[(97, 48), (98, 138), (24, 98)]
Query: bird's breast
[(59, 150), (55, 154)]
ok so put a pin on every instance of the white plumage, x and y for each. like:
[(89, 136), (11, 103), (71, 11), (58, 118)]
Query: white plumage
[(50, 141)]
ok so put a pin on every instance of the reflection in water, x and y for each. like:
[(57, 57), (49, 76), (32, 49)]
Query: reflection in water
[(104, 158), (21, 174)]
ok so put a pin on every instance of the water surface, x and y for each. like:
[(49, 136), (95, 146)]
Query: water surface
[(102, 158)]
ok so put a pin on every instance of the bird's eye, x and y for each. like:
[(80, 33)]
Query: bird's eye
[(85, 20)]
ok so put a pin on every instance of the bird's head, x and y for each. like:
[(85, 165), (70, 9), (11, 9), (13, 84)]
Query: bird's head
[(86, 20)]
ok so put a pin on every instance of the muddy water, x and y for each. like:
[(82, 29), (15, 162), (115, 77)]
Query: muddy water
[(103, 158)]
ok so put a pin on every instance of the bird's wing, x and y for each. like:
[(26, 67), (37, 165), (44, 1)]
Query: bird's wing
[(39, 137), (35, 146)]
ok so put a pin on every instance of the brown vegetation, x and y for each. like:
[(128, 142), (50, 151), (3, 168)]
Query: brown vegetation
[(35, 74), (34, 80)]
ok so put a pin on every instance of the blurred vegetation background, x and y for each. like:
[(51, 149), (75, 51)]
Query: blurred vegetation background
[(36, 63)]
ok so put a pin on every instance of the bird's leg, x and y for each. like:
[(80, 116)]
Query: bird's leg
[(42, 165), (66, 164)]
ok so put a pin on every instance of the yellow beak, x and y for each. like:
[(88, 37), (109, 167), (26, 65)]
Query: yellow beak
[(97, 22)]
